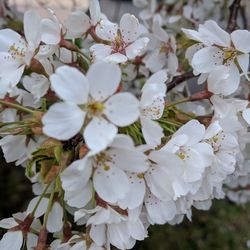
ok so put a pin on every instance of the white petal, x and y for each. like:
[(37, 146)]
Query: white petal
[(7, 38), (36, 84), (194, 130), (137, 230), (102, 85), (77, 24), (95, 11), (243, 61), (99, 134), (106, 30), (55, 218), (110, 183), (32, 28), (100, 51), (137, 48), (122, 109), (13, 147), (131, 160), (11, 79), (9, 64), (77, 174), (207, 59), (152, 132), (158, 77), (135, 196), (81, 197), (159, 211), (12, 241), (31, 241), (63, 121), (116, 58), (70, 85), (212, 32), (51, 31), (224, 80), (241, 40), (195, 35), (8, 223), (129, 26), (192, 50), (122, 141), (41, 209), (246, 115), (97, 234), (159, 32), (152, 102)]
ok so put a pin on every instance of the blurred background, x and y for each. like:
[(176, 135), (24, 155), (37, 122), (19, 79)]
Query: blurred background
[(225, 227)]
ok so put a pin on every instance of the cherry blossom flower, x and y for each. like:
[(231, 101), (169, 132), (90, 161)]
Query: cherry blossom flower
[(217, 61), (16, 52), (123, 41), (89, 99), (152, 105)]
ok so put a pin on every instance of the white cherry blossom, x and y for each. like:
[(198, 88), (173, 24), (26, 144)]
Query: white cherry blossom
[(123, 41), (88, 99)]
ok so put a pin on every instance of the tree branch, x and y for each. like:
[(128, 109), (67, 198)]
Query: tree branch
[(232, 21), (179, 79)]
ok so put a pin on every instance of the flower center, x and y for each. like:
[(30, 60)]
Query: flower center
[(118, 45), (95, 108), (229, 54), (16, 52)]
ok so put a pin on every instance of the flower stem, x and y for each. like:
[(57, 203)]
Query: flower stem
[(178, 102), (40, 199), (16, 106), (46, 216)]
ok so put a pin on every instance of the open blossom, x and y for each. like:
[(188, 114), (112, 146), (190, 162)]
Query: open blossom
[(196, 155), (79, 22), (111, 169), (123, 42), (16, 52), (87, 99), (218, 59), (152, 105), (162, 48)]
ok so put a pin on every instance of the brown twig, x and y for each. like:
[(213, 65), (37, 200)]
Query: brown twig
[(232, 21), (179, 79)]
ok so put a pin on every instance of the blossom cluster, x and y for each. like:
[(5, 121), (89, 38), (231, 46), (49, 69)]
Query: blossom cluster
[(92, 111)]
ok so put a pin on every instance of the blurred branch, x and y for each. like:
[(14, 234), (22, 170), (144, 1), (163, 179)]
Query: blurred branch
[(179, 79), (244, 17), (232, 21)]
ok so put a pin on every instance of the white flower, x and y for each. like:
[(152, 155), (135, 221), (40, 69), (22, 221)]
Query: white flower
[(110, 179), (55, 217), (17, 52), (218, 61), (16, 148), (13, 239), (36, 84), (225, 147), (196, 155), (79, 23), (226, 112), (162, 47), (124, 43), (158, 211), (152, 105), (90, 99), (51, 29)]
